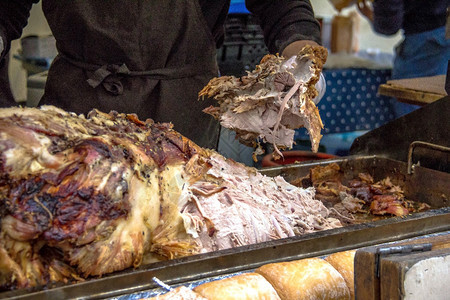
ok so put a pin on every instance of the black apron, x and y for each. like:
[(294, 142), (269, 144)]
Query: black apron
[(146, 57), (6, 96)]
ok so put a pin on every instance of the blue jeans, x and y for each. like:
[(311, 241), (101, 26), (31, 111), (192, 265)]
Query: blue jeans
[(419, 55)]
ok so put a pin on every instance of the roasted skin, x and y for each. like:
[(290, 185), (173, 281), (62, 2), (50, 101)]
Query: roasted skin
[(272, 101), (86, 196)]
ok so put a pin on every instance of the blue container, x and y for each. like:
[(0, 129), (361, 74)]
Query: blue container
[(238, 7)]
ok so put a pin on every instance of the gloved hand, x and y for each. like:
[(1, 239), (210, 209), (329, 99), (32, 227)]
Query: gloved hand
[(321, 87), (300, 70), (291, 51)]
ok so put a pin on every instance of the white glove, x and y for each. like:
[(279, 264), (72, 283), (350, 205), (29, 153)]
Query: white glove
[(298, 71), (2, 46), (321, 87)]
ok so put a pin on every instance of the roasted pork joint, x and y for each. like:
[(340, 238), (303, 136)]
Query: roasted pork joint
[(86, 196), (272, 101)]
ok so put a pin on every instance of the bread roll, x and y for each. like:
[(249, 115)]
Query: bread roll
[(180, 293), (311, 278), (344, 263), (247, 286)]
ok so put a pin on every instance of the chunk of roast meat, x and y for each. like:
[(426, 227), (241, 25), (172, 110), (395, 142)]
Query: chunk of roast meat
[(357, 195), (86, 196), (272, 101)]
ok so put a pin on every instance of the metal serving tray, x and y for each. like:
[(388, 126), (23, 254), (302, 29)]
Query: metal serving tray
[(425, 185)]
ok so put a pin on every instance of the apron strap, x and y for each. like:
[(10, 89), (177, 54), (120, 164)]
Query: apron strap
[(109, 75)]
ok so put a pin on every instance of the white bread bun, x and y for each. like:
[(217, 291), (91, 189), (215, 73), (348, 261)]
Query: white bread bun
[(247, 286), (311, 278), (344, 263), (180, 293)]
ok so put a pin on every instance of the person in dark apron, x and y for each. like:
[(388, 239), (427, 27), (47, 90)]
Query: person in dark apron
[(145, 57), (131, 67)]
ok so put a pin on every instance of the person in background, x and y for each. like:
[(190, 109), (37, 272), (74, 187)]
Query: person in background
[(149, 57), (424, 50)]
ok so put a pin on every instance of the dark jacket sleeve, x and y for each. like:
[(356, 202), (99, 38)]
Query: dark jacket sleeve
[(285, 21), (14, 16), (388, 16)]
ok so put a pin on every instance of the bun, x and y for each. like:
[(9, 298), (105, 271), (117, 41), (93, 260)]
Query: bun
[(344, 263), (247, 286), (311, 278), (180, 293)]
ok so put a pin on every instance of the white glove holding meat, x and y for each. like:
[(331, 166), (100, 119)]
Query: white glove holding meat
[(321, 87), (272, 101)]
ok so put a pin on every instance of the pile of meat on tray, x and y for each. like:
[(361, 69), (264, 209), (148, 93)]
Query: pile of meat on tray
[(84, 196), (359, 196)]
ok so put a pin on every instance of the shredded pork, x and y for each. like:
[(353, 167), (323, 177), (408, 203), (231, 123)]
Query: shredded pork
[(86, 196), (273, 100)]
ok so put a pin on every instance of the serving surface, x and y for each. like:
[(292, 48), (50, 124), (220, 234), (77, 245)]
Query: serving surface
[(423, 185)]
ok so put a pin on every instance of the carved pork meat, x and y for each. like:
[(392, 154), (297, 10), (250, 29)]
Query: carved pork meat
[(86, 196), (269, 103)]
